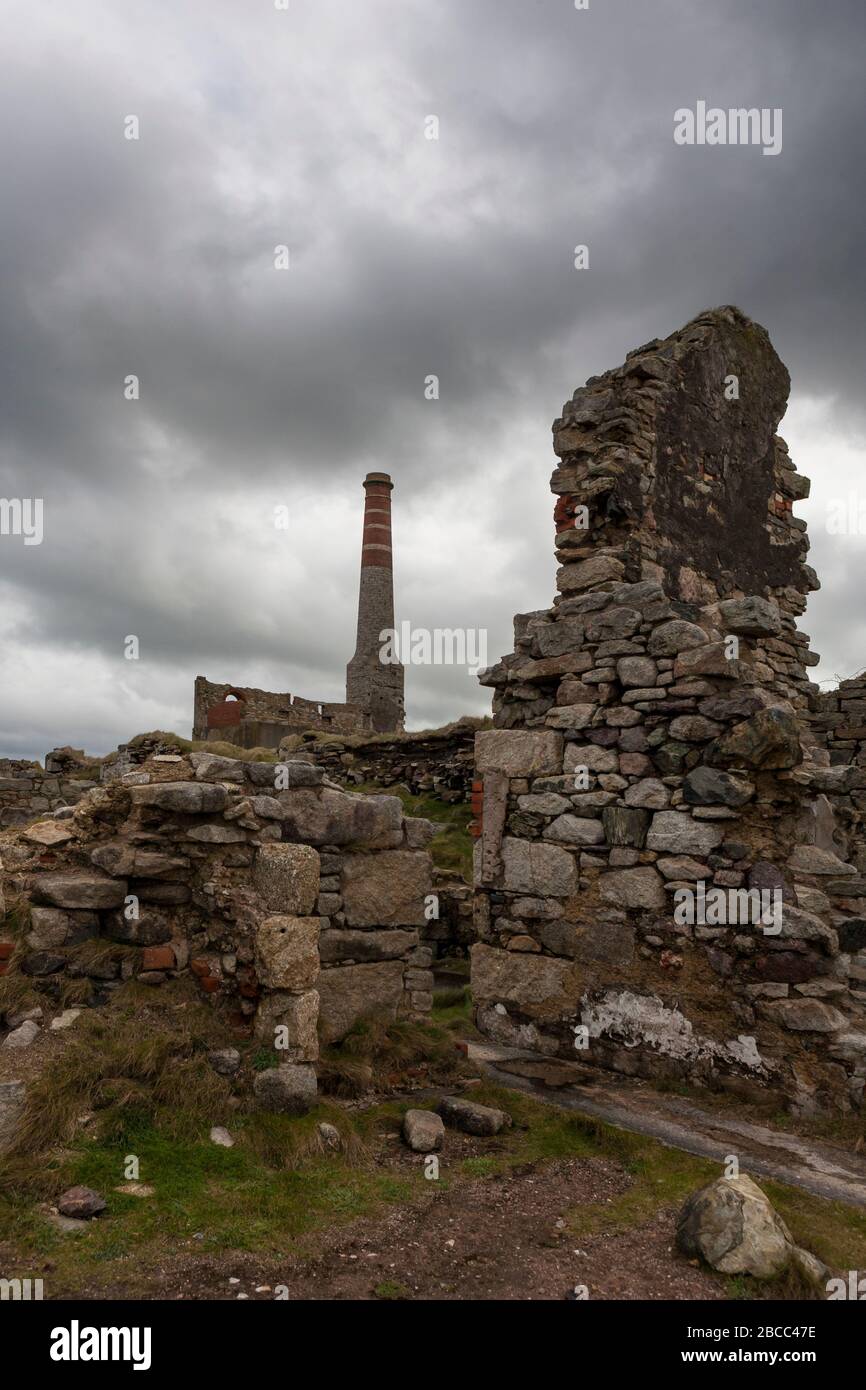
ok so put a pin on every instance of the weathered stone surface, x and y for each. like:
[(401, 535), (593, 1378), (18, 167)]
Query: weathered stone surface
[(151, 927), (769, 739), (22, 1036), (668, 639), (518, 752), (675, 832), (538, 869), (79, 890), (217, 834), (356, 991), (289, 1023), (323, 816), (289, 1089), (539, 986), (49, 928), (211, 768), (286, 878), (572, 579), (575, 830), (287, 952), (189, 798), (225, 1060), (636, 671), (649, 793), (754, 616), (709, 786), (219, 1135), (81, 1203), (810, 859), (386, 889), (805, 1015), (570, 716), (682, 867), (339, 944), (471, 1117), (852, 934), (732, 1226), (625, 826), (122, 859), (633, 888), (423, 1131), (48, 833)]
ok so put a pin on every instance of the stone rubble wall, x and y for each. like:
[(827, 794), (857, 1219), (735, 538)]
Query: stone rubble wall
[(654, 732), (839, 727), (439, 763), (296, 909), (27, 791)]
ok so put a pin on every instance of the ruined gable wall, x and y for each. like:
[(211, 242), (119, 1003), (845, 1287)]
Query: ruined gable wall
[(264, 717), (640, 751)]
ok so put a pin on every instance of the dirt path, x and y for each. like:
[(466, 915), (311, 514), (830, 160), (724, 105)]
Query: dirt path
[(819, 1168), (502, 1237)]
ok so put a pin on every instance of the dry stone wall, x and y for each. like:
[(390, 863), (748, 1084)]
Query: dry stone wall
[(26, 790), (296, 907), (654, 764)]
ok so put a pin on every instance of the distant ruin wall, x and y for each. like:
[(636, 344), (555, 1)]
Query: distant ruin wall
[(656, 743), (260, 718)]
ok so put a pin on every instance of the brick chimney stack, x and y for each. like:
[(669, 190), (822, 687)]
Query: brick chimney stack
[(373, 685)]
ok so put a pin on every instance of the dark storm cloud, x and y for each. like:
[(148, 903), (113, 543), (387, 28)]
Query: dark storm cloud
[(408, 257)]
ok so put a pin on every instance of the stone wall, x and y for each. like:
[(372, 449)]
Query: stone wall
[(438, 762), (260, 718), (27, 791), (654, 744), (296, 906)]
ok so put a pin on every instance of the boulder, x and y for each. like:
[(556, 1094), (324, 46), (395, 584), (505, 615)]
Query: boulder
[(225, 1060), (471, 1117), (80, 1203), (289, 1089), (423, 1131), (732, 1226), (22, 1036)]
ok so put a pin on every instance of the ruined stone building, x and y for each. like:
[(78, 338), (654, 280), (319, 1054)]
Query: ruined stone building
[(657, 738), (374, 689)]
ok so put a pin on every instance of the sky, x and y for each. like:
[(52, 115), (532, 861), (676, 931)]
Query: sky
[(263, 388)]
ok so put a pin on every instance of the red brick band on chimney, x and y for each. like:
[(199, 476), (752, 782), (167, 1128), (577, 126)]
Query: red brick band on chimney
[(376, 544)]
